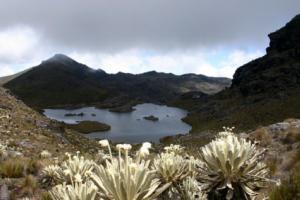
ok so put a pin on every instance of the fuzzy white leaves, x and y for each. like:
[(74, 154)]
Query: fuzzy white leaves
[(77, 191), (232, 163), (124, 179), (171, 167)]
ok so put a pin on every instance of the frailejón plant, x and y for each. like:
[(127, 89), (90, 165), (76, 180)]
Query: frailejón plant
[(232, 164)]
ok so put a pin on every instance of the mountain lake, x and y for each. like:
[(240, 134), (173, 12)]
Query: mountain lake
[(128, 127)]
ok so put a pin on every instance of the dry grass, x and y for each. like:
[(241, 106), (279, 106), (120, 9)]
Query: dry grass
[(29, 186), (296, 158), (263, 136), (45, 196), (272, 164), (289, 189), (292, 135), (13, 168), (33, 166)]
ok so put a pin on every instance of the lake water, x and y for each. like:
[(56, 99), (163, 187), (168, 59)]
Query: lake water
[(129, 127)]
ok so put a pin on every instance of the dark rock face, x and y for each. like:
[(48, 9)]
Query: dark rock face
[(263, 91), (286, 38), (278, 70)]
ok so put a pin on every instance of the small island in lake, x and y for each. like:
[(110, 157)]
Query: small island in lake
[(151, 118), (74, 114), (122, 109), (89, 127)]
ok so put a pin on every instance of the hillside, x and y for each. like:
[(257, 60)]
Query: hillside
[(32, 146), (6, 79), (263, 91), (63, 81), (32, 132), (58, 80)]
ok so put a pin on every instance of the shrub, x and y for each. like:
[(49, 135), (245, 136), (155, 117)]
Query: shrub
[(272, 164), (292, 135), (263, 136), (29, 185), (289, 189), (33, 166), (12, 168), (46, 196)]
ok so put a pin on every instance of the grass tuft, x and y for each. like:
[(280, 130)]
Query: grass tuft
[(289, 189), (12, 168), (29, 186)]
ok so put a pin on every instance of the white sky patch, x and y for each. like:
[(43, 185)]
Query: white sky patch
[(236, 59), (199, 62), (17, 43), (21, 47), (6, 70)]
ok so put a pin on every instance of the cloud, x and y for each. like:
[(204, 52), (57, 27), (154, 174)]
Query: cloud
[(112, 26), (208, 37), (178, 62), (17, 43), (18, 47), (236, 59), (6, 70)]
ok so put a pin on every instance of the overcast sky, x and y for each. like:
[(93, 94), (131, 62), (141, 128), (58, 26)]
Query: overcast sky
[(211, 37)]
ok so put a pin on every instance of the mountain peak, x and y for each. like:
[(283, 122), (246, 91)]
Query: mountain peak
[(286, 38), (61, 58)]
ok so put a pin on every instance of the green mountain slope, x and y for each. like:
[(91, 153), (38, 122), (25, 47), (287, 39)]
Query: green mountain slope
[(56, 81), (63, 81)]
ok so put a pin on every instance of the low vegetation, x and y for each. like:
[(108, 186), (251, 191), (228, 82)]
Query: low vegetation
[(229, 167), (248, 116), (89, 127), (31, 152), (151, 118), (12, 168), (289, 189)]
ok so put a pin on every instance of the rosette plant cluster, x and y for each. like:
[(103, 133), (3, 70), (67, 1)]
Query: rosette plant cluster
[(232, 167), (227, 168), (3, 150)]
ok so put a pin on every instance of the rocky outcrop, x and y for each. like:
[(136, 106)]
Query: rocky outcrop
[(263, 91), (285, 38), (277, 71)]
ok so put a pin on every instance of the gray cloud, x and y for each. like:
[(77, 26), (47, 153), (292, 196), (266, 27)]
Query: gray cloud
[(115, 25)]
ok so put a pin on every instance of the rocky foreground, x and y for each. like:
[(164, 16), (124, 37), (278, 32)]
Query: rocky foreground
[(27, 135)]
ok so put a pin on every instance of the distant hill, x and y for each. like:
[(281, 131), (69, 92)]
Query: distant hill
[(263, 91), (6, 79), (58, 80), (61, 80)]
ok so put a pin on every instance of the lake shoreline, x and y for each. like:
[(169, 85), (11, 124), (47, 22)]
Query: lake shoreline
[(128, 127)]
